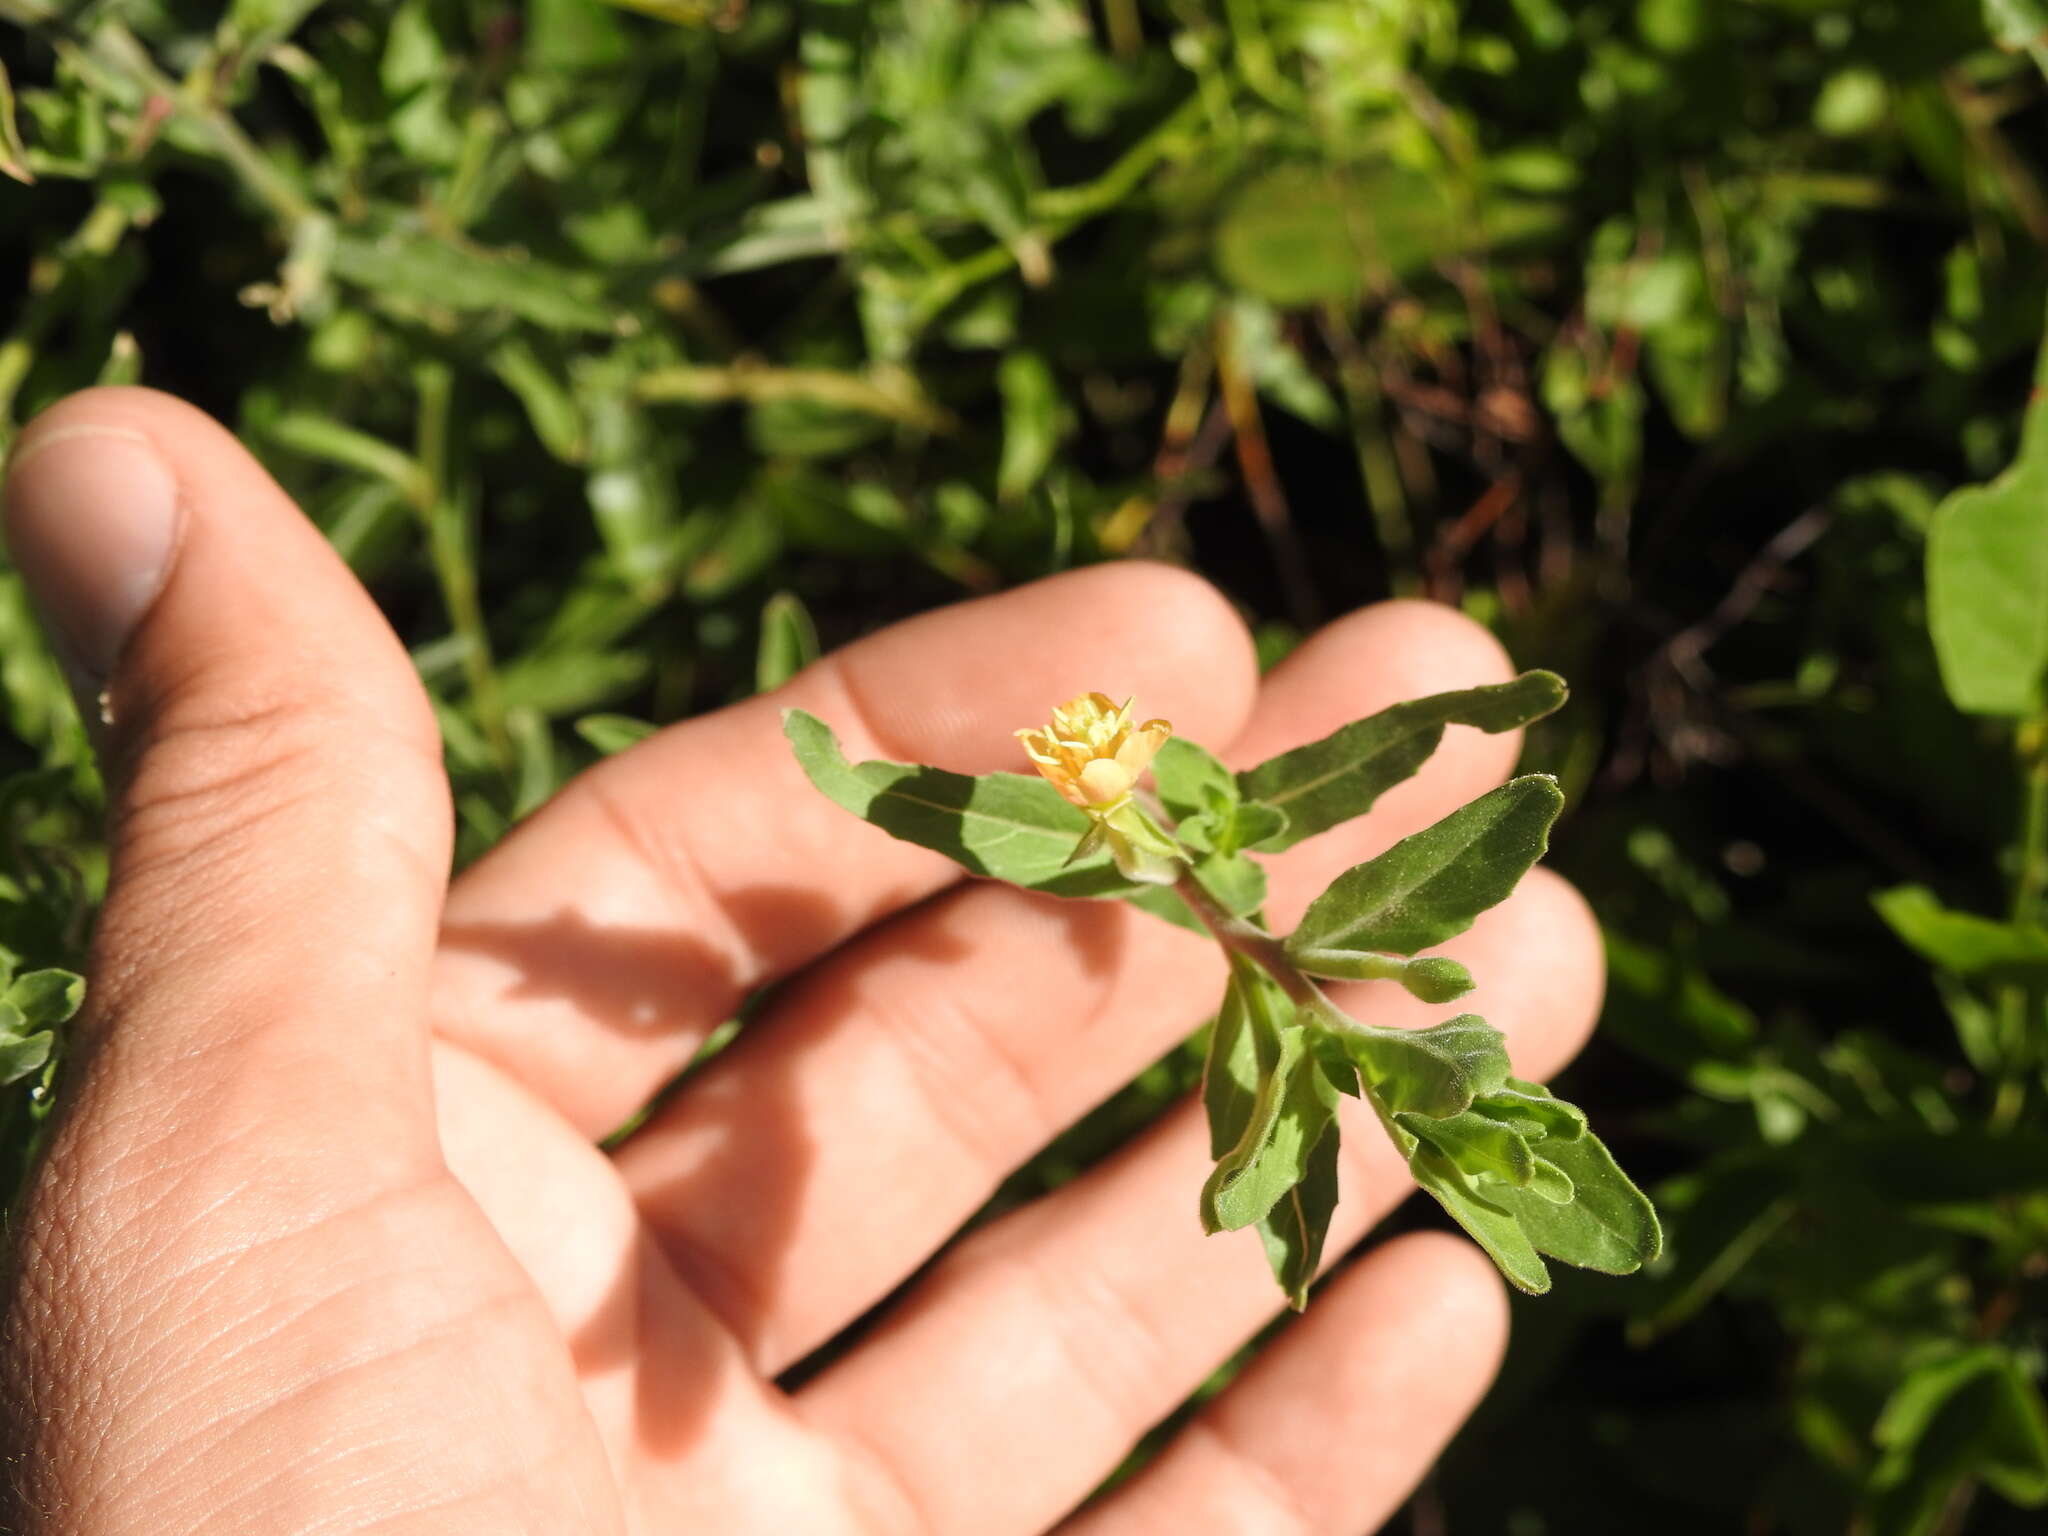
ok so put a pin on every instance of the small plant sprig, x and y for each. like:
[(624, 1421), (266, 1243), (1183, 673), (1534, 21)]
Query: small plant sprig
[(1516, 1168)]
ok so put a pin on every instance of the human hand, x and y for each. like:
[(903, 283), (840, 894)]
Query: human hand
[(324, 1243)]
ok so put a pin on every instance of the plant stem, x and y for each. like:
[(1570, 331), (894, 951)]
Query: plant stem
[(893, 399), (115, 46), (1261, 479), (2032, 880), (1386, 496), (1250, 940), (2019, 1005), (448, 550)]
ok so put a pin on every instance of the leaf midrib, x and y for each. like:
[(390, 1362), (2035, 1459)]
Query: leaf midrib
[(1404, 893), (1310, 786)]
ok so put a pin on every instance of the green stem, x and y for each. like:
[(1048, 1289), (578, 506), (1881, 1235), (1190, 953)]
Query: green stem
[(53, 283), (448, 551), (1385, 495), (2018, 1005), (117, 48), (1058, 211), (1248, 939), (2032, 880), (2009, 1103), (756, 382), (1256, 60)]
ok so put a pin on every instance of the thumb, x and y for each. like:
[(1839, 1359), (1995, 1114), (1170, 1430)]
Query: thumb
[(279, 826)]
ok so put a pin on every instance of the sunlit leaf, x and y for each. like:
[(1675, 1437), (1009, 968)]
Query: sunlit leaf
[(1429, 887), (1987, 584), (1962, 942), (1003, 825), (1294, 1231), (789, 641), (1344, 774), (1436, 1071)]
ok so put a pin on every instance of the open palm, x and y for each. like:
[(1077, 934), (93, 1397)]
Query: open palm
[(326, 1241)]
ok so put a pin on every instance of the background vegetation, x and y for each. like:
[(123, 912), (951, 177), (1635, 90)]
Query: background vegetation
[(629, 355)]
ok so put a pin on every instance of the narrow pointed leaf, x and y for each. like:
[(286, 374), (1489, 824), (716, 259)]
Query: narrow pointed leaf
[(614, 733), (13, 154), (1428, 888), (1253, 1178), (47, 997), (1294, 1230), (1963, 942), (1488, 1224), (1003, 825), (1259, 1126), (789, 641), (1341, 776), (1244, 1051), (23, 1054)]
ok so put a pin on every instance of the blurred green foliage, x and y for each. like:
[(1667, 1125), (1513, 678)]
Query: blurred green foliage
[(628, 355)]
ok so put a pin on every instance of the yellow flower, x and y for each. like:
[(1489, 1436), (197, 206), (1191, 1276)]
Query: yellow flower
[(1092, 754)]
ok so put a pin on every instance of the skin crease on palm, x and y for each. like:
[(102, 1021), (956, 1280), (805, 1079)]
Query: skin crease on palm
[(324, 1242)]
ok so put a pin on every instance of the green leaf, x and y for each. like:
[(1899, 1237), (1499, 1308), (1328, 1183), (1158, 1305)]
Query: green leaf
[(1529, 1109), (2021, 26), (556, 418), (1256, 824), (1969, 1411), (789, 641), (1488, 1224), (573, 35), (1294, 1230), (1244, 1050), (1032, 423), (1236, 881), (1436, 1072), (1987, 583), (21, 1055), (614, 733), (1273, 1157), (1191, 781), (1341, 776), (13, 153), (435, 275), (1298, 235), (1002, 825), (1476, 1144), (47, 997), (1609, 1226), (1961, 941), (1429, 887), (1551, 1182), (631, 487)]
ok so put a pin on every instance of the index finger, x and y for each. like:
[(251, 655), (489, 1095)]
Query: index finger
[(589, 954)]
